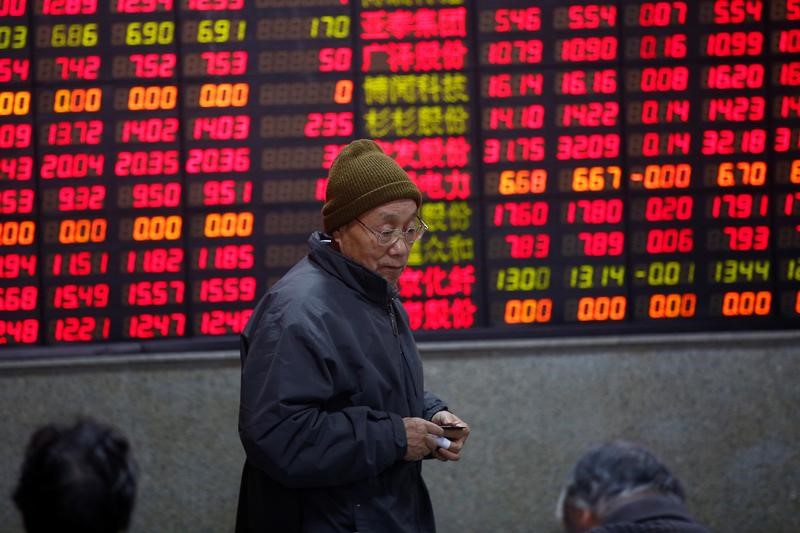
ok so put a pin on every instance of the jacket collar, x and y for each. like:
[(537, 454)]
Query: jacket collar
[(359, 278), (649, 508)]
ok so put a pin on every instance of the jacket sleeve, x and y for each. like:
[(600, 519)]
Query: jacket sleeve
[(289, 421), (433, 404)]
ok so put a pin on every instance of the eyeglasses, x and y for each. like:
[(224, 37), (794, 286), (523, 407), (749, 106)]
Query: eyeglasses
[(410, 234)]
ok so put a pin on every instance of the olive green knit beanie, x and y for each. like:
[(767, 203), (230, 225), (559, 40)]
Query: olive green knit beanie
[(363, 177)]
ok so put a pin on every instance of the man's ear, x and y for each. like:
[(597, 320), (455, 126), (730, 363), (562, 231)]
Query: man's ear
[(587, 520), (578, 519), (336, 237)]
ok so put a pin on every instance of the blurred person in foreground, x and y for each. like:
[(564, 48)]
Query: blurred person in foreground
[(333, 415), (622, 488), (77, 479)]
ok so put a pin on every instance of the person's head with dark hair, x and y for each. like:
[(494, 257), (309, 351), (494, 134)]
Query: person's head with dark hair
[(77, 479), (619, 485)]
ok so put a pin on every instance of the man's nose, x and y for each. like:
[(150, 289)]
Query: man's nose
[(400, 246)]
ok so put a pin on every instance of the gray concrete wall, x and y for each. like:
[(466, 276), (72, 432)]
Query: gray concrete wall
[(721, 410)]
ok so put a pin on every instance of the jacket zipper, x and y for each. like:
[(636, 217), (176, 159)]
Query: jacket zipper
[(392, 318)]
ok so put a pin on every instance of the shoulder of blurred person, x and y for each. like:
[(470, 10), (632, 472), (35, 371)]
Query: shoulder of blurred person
[(77, 479), (621, 487)]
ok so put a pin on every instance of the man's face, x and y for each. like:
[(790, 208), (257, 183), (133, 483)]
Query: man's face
[(360, 244)]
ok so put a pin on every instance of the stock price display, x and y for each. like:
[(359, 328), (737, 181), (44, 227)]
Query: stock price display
[(585, 166)]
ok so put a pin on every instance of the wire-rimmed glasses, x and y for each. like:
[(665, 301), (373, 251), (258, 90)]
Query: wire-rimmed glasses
[(411, 234)]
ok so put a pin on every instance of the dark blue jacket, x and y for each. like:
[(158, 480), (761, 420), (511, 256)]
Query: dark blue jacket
[(329, 369), (655, 514)]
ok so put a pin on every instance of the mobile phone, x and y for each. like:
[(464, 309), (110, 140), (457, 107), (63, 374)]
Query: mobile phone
[(453, 427)]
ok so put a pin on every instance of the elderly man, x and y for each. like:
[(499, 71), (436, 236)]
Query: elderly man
[(623, 488), (333, 416)]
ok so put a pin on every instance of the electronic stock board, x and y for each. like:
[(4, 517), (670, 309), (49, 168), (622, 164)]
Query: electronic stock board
[(586, 167)]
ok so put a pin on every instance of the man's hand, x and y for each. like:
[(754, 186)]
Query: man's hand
[(457, 437), (421, 438)]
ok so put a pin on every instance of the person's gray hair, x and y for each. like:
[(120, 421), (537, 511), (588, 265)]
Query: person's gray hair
[(614, 471)]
